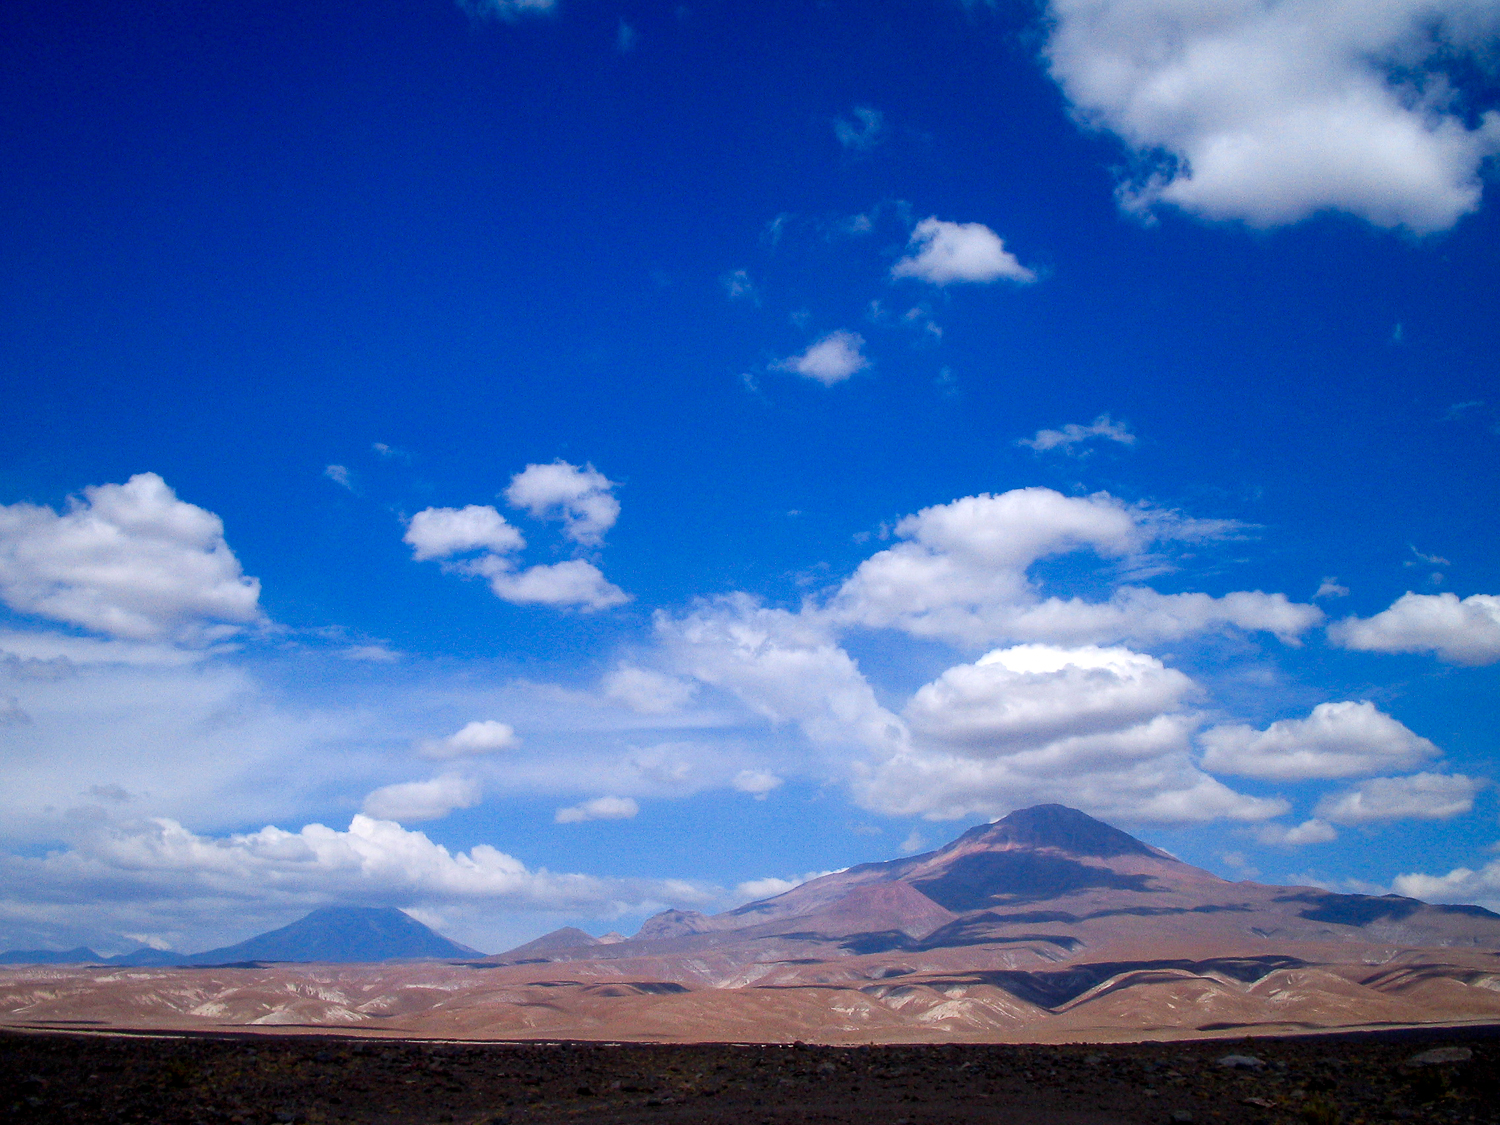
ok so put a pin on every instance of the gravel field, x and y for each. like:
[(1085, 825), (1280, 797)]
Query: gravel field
[(1421, 1076)]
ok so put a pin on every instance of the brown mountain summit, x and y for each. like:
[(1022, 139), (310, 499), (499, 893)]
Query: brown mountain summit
[(1049, 879)]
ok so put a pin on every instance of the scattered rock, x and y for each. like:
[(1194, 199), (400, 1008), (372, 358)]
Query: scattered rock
[(1242, 1062), (1181, 1117), (1440, 1055)]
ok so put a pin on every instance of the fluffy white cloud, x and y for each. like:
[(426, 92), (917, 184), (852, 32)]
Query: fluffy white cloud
[(1099, 729), (1421, 796), (1337, 740), (130, 560), (758, 783), (573, 583), (1269, 111), (581, 497), (483, 736), (600, 808), (437, 533), (831, 360), (941, 253), (961, 575), (1030, 696), (1312, 831), (1140, 774), (423, 800), (1073, 435), (1461, 632), (646, 692), (340, 476)]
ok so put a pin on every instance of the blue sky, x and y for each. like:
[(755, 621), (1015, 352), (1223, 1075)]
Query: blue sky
[(534, 463)]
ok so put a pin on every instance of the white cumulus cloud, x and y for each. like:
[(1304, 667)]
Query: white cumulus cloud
[(1421, 796), (422, 800), (1337, 740), (941, 253), (961, 575), (574, 583), (1099, 729), (1267, 112), (483, 736), (1029, 696), (579, 497), (600, 808), (438, 533), (1460, 632), (582, 498), (831, 360), (129, 560)]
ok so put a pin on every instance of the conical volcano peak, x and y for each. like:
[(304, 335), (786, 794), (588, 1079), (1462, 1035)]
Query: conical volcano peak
[(1062, 828)]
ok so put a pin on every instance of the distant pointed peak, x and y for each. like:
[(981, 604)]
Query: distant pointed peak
[(1060, 827)]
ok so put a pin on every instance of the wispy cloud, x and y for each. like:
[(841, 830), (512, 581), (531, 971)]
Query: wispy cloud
[(1073, 439), (863, 132)]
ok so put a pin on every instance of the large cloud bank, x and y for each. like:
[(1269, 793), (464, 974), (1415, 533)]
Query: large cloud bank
[(135, 748)]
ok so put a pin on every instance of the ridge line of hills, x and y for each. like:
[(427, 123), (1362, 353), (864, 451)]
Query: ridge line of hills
[(1048, 879)]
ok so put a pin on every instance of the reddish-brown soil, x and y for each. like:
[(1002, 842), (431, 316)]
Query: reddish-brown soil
[(308, 1079)]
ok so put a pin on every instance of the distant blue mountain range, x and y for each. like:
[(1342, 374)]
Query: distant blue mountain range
[(343, 934)]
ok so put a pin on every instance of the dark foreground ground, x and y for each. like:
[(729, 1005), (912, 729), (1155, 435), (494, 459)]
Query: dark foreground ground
[(304, 1080)]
